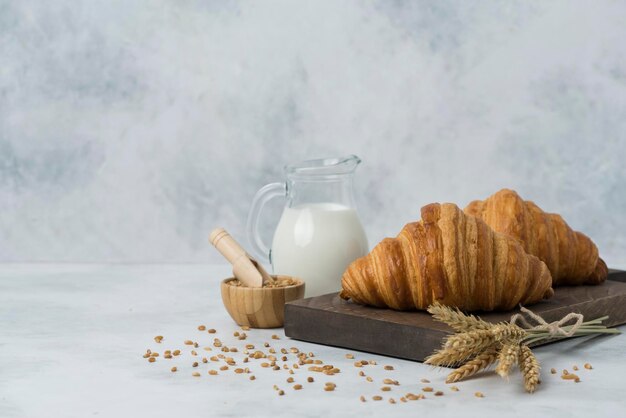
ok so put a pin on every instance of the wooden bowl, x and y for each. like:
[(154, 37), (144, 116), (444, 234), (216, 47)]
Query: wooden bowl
[(262, 307)]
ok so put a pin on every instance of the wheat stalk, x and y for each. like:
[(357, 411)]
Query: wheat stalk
[(478, 363), (457, 348), (456, 319), (508, 332), (507, 358), (530, 368), (470, 340), (443, 358)]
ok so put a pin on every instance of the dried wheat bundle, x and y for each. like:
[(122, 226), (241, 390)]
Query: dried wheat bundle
[(478, 344)]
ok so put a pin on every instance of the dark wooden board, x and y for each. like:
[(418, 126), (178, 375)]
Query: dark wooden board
[(329, 320)]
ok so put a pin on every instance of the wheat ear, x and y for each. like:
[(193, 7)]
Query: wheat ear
[(478, 363), (507, 358), (529, 365), (456, 319), (457, 348), (508, 332)]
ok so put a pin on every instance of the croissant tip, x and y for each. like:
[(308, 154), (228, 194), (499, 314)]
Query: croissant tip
[(599, 274), (549, 293)]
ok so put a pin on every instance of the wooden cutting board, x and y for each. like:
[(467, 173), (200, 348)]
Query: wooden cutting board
[(330, 320)]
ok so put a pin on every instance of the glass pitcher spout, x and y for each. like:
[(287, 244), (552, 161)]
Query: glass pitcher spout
[(326, 180), (323, 168)]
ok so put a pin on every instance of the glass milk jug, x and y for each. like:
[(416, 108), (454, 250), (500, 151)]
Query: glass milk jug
[(319, 232)]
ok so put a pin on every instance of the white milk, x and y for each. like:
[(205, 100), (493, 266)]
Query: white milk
[(316, 242)]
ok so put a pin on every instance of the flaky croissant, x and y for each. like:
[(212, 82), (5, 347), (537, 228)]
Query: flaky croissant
[(451, 258), (570, 255)]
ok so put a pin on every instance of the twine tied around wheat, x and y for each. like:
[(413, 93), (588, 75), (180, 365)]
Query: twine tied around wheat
[(544, 330), (555, 329)]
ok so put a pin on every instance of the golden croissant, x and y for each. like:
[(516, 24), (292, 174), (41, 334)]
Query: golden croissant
[(571, 256), (451, 258)]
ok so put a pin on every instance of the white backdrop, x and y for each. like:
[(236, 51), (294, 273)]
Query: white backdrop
[(129, 129)]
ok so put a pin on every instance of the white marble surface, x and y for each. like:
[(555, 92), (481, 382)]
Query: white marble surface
[(72, 336), (131, 128)]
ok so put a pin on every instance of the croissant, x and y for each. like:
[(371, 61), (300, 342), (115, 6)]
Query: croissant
[(571, 256), (448, 257)]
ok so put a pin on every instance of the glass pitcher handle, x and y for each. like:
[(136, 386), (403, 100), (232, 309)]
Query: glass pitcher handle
[(259, 249)]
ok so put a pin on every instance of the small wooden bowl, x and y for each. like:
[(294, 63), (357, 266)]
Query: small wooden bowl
[(262, 307)]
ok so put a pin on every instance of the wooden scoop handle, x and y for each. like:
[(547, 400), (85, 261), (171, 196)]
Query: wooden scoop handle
[(245, 268)]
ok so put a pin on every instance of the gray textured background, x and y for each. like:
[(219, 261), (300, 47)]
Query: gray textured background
[(128, 129)]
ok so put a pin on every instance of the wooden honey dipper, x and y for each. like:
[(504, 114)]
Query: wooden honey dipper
[(245, 268)]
